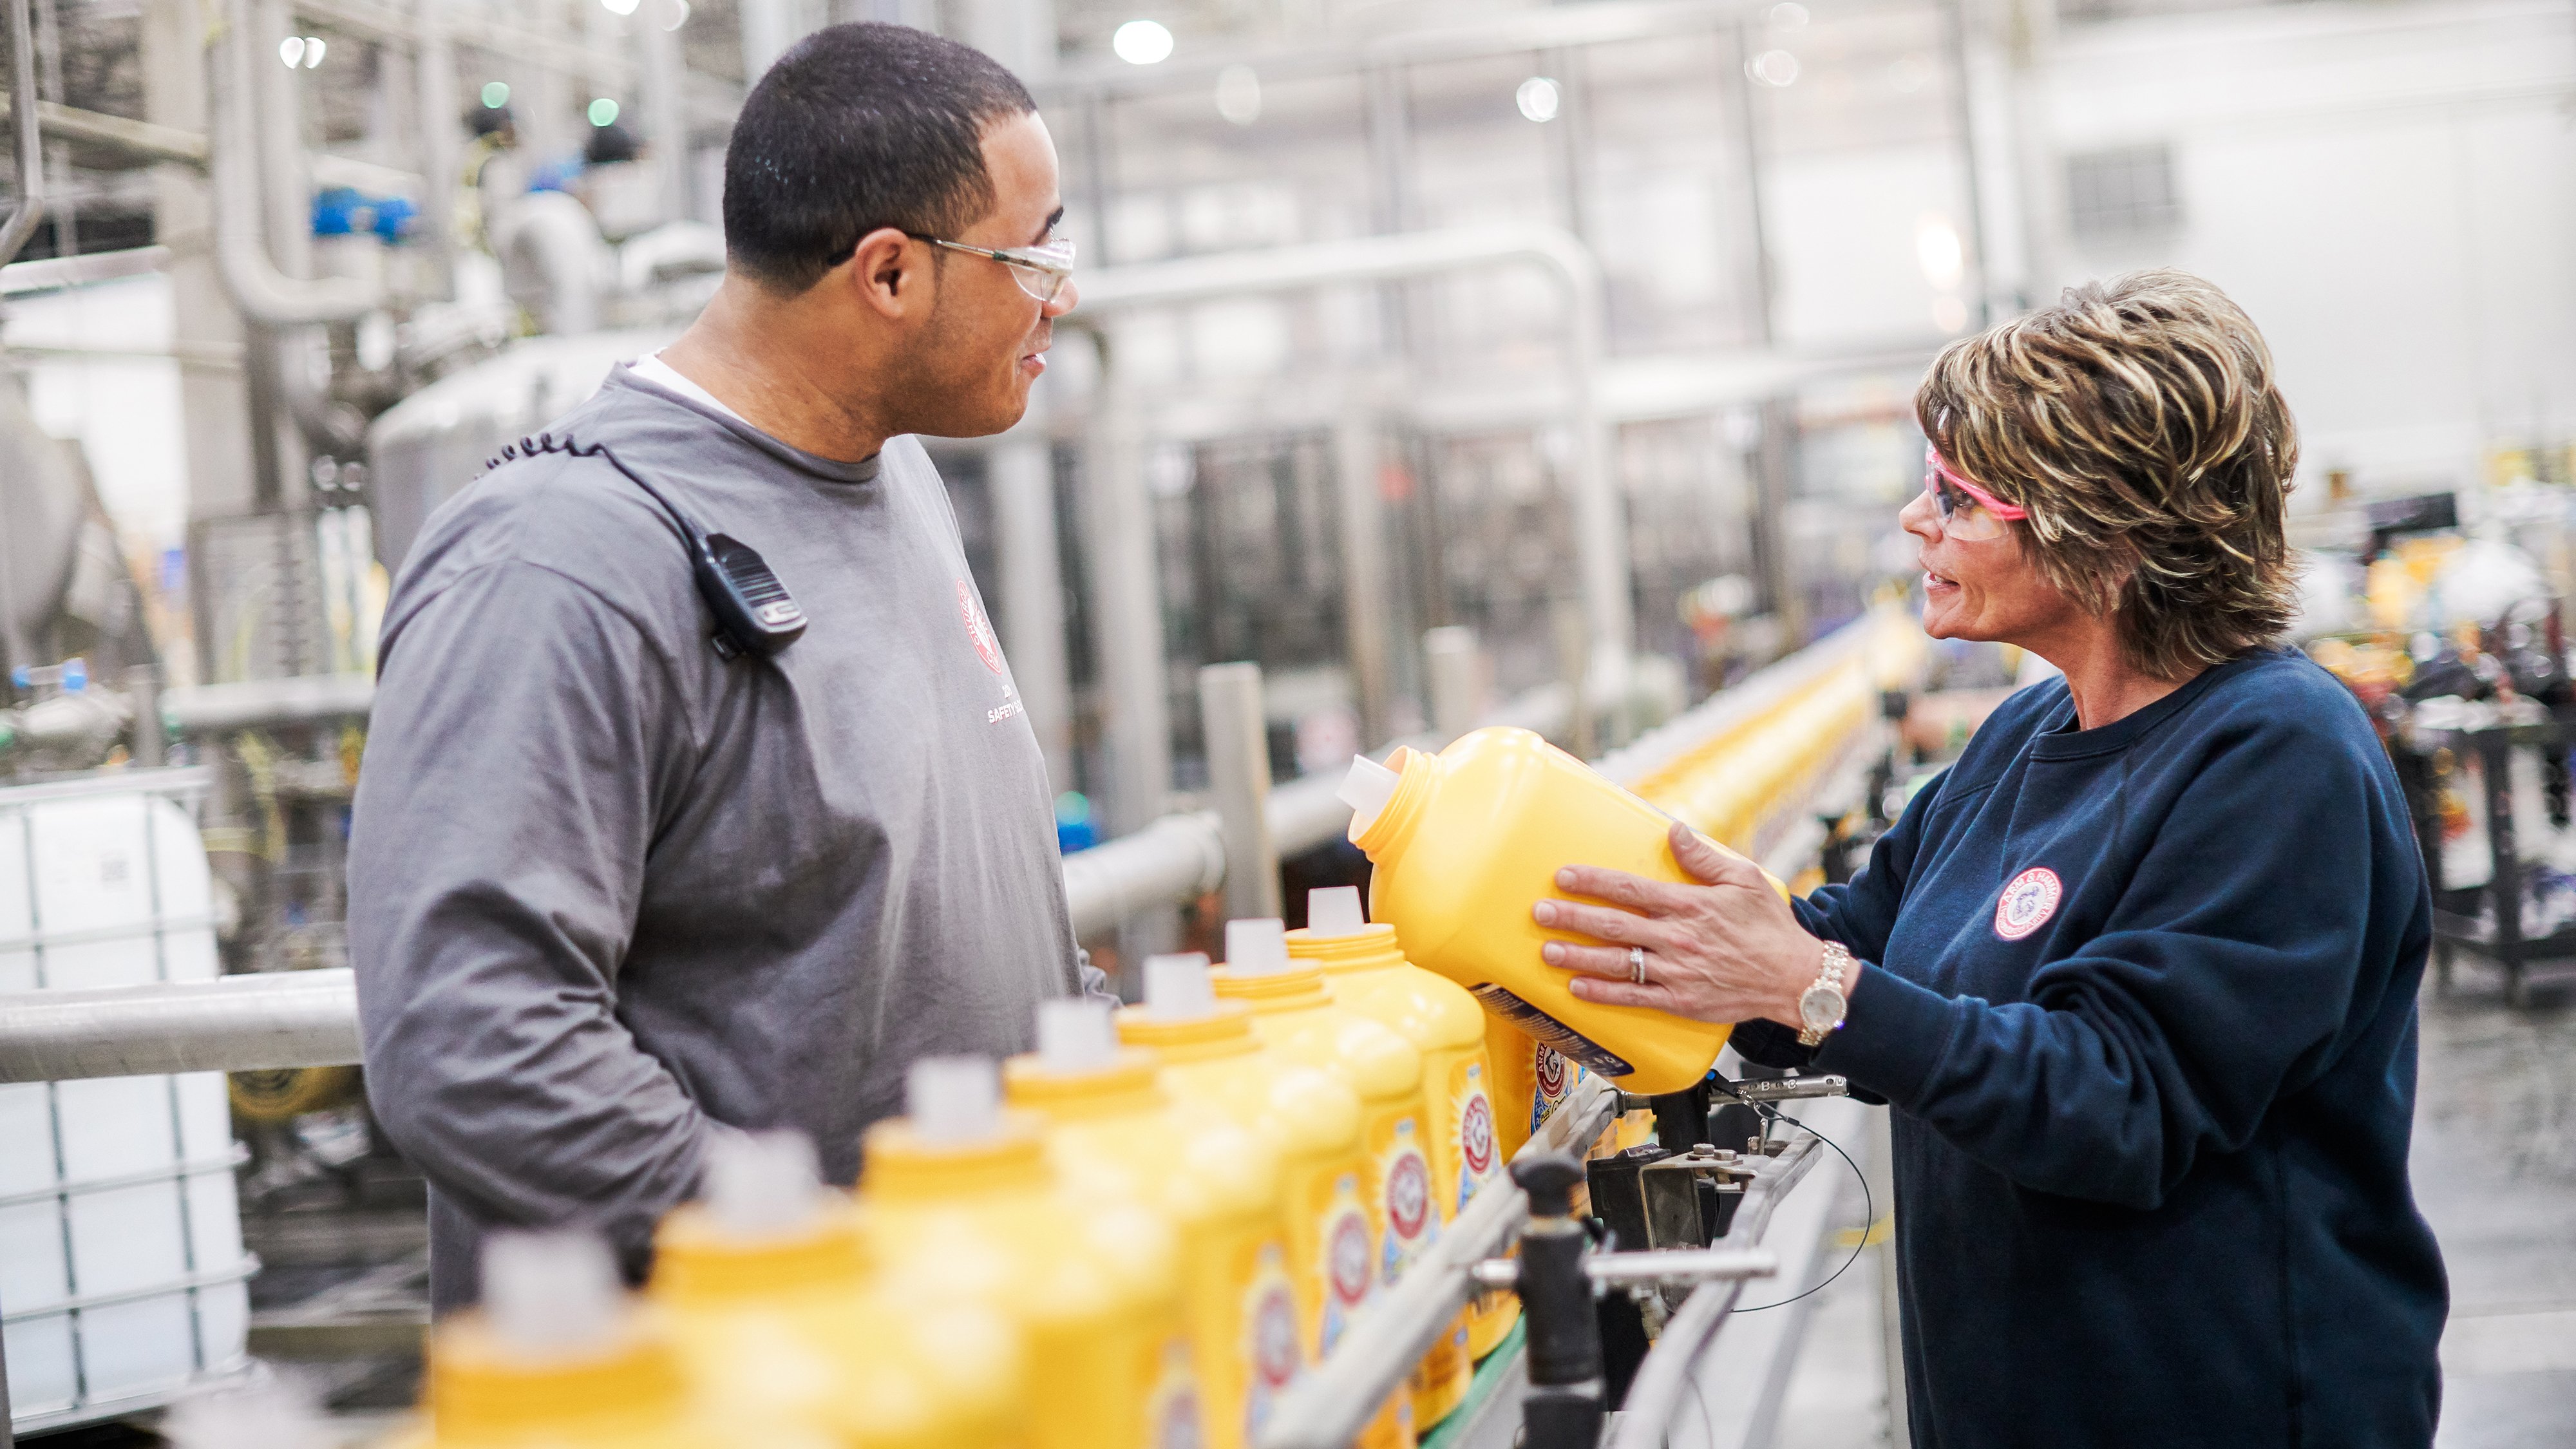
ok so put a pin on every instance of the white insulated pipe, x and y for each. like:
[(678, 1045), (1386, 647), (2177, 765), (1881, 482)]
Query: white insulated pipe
[(264, 293)]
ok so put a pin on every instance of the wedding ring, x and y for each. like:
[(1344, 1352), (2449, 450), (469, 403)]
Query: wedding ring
[(1637, 965)]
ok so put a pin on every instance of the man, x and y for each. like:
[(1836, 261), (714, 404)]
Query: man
[(612, 891)]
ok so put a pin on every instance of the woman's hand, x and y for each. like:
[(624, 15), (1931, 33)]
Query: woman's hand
[(1729, 950)]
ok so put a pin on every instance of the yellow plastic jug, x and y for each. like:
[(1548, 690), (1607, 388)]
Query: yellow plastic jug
[(1112, 1129), (1467, 840), (1530, 1082), (559, 1357), (1214, 1062), (1297, 1017), (1366, 971), (779, 1326), (958, 1198)]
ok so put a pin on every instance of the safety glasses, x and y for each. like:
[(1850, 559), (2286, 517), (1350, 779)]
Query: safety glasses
[(1969, 513), (1040, 270)]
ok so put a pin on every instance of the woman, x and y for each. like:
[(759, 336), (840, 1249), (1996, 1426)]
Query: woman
[(2137, 974)]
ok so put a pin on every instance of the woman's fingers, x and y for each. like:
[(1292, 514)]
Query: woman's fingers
[(1601, 922), (1598, 960), (1624, 993), (1650, 897), (1705, 861)]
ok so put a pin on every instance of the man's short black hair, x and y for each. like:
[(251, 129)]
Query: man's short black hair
[(859, 127)]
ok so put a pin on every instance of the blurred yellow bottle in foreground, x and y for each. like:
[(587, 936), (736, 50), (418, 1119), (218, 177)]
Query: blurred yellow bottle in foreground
[(779, 1326), (1112, 1131), (1214, 1062), (958, 1198), (1295, 1016), (1366, 971), (1466, 841), (560, 1357)]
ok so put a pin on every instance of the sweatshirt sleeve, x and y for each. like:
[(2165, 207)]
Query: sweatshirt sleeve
[(522, 733), (2218, 984)]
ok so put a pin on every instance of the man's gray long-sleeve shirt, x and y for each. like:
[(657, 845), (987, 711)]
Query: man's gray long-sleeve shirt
[(607, 889)]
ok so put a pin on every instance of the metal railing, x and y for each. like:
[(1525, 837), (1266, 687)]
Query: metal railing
[(309, 1018)]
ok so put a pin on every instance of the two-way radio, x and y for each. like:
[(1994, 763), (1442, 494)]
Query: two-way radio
[(754, 612)]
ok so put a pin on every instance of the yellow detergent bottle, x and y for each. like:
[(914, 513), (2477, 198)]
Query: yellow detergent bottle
[(1467, 840), (1366, 971), (560, 1357), (958, 1199), (1296, 1016), (1113, 1129), (779, 1326), (1213, 1062), (1531, 1080)]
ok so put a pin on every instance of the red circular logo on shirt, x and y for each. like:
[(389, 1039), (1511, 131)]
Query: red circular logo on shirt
[(988, 645), (2027, 903)]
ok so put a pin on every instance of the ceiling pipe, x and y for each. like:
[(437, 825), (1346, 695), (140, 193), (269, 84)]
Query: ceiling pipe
[(263, 293), (27, 147)]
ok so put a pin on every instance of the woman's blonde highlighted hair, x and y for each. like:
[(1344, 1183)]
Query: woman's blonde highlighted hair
[(2138, 422)]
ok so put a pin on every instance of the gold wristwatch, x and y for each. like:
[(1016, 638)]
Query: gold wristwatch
[(1821, 1006)]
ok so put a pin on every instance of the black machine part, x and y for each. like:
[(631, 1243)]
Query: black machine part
[(754, 612), (1556, 1294)]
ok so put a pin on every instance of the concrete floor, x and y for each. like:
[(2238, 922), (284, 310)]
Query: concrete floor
[(2495, 1173)]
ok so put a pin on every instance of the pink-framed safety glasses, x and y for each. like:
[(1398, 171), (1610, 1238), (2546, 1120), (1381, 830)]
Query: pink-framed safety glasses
[(1968, 513)]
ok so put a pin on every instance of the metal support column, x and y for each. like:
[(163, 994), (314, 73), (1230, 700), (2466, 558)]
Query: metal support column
[(1456, 673), (1021, 472), (1361, 515), (1127, 611), (665, 97), (1238, 756)]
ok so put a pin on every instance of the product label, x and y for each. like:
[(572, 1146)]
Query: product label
[(1172, 1405), (1269, 1338), (1345, 1259), (1552, 1032), (1477, 1159), (1404, 1175)]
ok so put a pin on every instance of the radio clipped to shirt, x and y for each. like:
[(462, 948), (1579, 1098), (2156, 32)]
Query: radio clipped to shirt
[(754, 612)]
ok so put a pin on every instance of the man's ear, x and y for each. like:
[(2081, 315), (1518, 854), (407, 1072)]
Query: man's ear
[(889, 273)]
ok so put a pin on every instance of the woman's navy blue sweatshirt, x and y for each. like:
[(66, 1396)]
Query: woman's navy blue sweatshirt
[(2143, 1000)]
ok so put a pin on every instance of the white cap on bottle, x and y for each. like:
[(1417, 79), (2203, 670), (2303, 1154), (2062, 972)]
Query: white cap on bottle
[(1335, 911), (954, 1101), (1076, 1036), (1177, 987), (551, 1294), (1256, 947), (762, 1184), (1366, 790)]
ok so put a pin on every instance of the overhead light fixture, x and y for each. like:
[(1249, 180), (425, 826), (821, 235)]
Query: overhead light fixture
[(496, 94), (1142, 42), (1238, 94), (1773, 68), (621, 7), (680, 19), (1938, 248), (603, 112), (301, 52), (1537, 98)]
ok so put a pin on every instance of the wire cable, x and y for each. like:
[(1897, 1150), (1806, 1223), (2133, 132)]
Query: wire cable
[(1868, 1208)]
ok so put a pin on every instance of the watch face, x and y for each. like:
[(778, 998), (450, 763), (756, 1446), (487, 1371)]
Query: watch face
[(1820, 1008)]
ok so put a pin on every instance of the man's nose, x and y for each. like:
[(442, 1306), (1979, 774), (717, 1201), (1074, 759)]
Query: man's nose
[(1066, 300)]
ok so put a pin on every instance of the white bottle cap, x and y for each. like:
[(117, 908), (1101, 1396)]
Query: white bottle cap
[(763, 1184), (1335, 911), (1075, 1037), (1256, 948), (954, 1101), (1366, 790), (551, 1294), (1177, 987), (272, 1413)]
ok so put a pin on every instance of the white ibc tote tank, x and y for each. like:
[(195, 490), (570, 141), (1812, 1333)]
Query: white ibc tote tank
[(122, 1274)]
